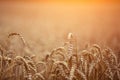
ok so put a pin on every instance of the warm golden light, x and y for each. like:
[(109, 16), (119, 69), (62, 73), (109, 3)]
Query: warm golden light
[(59, 40)]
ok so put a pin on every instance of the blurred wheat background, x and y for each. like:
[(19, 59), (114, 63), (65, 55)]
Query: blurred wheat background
[(45, 24)]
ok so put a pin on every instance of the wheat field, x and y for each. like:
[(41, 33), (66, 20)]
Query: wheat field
[(41, 40), (63, 63)]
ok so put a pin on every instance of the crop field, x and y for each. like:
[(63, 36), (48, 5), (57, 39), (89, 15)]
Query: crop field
[(59, 41)]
